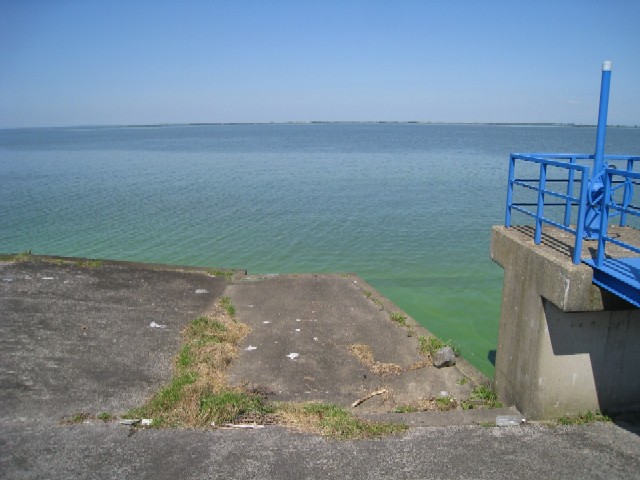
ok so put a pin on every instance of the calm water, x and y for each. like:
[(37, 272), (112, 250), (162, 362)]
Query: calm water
[(408, 207)]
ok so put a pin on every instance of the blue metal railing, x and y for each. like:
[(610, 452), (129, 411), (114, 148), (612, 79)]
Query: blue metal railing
[(568, 167), (623, 209), (576, 194)]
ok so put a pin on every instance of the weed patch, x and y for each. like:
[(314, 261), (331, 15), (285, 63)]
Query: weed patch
[(584, 418), (399, 318), (220, 273), (481, 397), (334, 421), (195, 395), (430, 345), (105, 417), (225, 302), (76, 418), (90, 263), (25, 256)]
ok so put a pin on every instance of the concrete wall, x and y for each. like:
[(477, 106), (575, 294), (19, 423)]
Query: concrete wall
[(564, 345)]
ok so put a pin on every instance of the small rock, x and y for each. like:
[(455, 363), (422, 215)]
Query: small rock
[(445, 357)]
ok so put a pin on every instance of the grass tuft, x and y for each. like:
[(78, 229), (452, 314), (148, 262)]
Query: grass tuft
[(225, 302), (25, 256), (584, 418), (481, 397), (335, 422), (430, 345), (399, 318), (220, 273), (90, 263)]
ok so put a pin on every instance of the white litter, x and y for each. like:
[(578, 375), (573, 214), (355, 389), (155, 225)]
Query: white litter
[(293, 356), (47, 278), (202, 290), (266, 321), (298, 320), (156, 325), (315, 339), (509, 420), (243, 425), (297, 329), (251, 347), (129, 421), (146, 422)]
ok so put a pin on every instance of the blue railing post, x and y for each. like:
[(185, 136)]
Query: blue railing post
[(626, 198), (569, 203), (592, 222), (540, 211), (507, 218), (604, 219), (582, 205)]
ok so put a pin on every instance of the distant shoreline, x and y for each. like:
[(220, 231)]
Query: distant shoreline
[(329, 122)]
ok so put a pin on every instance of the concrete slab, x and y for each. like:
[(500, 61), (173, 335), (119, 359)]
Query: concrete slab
[(76, 338), (318, 317)]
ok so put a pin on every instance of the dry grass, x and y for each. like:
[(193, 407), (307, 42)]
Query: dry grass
[(333, 421), (365, 355), (432, 404), (199, 396)]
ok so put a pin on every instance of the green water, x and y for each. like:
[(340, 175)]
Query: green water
[(408, 207)]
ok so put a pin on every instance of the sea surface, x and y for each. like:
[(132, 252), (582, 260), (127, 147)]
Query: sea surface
[(409, 207)]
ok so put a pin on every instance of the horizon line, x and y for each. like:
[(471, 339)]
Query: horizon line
[(321, 122)]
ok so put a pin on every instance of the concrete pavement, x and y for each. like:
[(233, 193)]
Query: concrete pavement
[(79, 339)]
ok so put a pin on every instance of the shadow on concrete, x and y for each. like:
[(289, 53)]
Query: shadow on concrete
[(599, 339)]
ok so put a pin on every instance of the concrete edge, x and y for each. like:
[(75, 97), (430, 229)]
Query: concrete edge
[(234, 275), (481, 416), (468, 370)]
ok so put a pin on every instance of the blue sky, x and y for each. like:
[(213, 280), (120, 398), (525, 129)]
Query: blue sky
[(111, 62)]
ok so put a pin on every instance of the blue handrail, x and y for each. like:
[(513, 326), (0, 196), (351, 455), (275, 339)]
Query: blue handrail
[(624, 209), (567, 164), (570, 167)]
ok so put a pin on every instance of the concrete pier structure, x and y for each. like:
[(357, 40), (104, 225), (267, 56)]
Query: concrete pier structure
[(565, 346)]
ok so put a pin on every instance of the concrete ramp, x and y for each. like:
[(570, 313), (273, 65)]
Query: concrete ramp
[(303, 328)]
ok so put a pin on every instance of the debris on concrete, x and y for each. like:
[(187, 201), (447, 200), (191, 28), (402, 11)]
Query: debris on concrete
[(202, 290), (445, 357), (146, 422), (509, 420), (367, 397), (293, 356), (130, 421), (250, 348), (250, 426), (156, 325)]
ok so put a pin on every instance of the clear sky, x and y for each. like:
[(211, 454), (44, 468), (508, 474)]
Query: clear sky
[(108, 62)]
